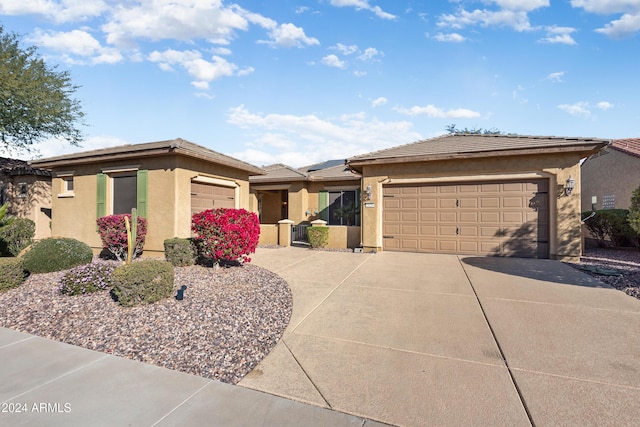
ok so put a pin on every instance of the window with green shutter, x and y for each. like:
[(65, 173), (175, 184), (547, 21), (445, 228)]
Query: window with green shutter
[(323, 205), (101, 195)]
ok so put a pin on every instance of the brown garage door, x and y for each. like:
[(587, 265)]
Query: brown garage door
[(509, 218), (210, 196)]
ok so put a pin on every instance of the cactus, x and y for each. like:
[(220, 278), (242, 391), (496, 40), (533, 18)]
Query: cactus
[(132, 235)]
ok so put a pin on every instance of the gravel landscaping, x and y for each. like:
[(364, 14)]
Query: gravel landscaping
[(619, 268), (229, 320)]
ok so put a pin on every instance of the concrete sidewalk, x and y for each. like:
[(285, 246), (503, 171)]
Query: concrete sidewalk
[(48, 383), (423, 339)]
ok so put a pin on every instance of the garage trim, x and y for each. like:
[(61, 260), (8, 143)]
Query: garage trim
[(202, 179)]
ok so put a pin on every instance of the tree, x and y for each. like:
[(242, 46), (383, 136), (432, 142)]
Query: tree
[(453, 130), (35, 99)]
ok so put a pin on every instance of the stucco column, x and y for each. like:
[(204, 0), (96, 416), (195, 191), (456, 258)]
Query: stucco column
[(284, 232)]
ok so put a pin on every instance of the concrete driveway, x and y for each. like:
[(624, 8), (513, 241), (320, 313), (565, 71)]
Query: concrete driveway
[(425, 339)]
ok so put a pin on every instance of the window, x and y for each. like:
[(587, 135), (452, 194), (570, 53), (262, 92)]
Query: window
[(67, 184), (609, 202), (344, 208), (22, 189), (125, 193)]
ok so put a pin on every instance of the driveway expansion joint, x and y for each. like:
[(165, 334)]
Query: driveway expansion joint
[(495, 339), (306, 374)]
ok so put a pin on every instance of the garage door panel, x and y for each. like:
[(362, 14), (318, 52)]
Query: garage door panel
[(487, 218), (210, 196)]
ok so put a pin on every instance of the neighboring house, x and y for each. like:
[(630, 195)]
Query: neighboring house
[(329, 191), (27, 190), (475, 194), (610, 176), (166, 181)]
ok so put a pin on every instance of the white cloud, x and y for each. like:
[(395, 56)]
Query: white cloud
[(344, 49), (63, 11), (339, 137), (370, 54), (363, 5), (439, 113), (78, 43), (177, 20), (555, 77), (626, 26), (451, 37), (604, 105), (518, 20), (333, 61), (379, 101), (561, 35), (202, 70), (288, 35), (578, 109)]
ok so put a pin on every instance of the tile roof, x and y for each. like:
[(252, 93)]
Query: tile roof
[(178, 146), (279, 172), (337, 172), (630, 146), (450, 146), (20, 167)]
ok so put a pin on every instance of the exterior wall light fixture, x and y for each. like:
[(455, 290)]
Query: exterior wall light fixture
[(369, 192), (569, 186)]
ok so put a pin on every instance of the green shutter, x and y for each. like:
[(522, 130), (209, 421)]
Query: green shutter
[(323, 205), (143, 176), (358, 207), (101, 195)]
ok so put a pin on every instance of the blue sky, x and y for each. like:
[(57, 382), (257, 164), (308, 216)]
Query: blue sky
[(298, 82)]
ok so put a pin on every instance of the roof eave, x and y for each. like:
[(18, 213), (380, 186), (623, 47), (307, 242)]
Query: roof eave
[(585, 149)]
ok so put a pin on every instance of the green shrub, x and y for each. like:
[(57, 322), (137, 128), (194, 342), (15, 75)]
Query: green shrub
[(180, 252), (87, 278), (55, 254), (142, 282), (318, 236), (11, 273), (16, 236), (611, 225), (634, 211)]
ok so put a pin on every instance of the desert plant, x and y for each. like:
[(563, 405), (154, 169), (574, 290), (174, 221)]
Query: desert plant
[(113, 233), (226, 234), (55, 254), (5, 218), (132, 234), (16, 236), (634, 211), (88, 278), (611, 225), (142, 282), (180, 252), (318, 236), (11, 273)]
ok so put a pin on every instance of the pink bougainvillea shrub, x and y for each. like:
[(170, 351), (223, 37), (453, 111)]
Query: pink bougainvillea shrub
[(226, 234), (113, 233)]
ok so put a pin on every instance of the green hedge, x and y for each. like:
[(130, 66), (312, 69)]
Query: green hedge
[(16, 236), (56, 254), (142, 282), (611, 225), (318, 236), (11, 273), (180, 252)]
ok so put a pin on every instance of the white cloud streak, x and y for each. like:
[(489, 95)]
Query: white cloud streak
[(363, 5), (438, 113)]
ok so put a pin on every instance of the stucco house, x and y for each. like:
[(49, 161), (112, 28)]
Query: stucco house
[(610, 176), (27, 190), (329, 191), (167, 181), (475, 194)]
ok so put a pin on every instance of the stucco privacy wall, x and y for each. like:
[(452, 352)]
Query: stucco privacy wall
[(610, 173), (34, 205), (565, 242)]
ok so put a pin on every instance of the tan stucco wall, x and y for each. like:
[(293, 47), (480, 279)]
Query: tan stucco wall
[(35, 206), (169, 198), (565, 240), (268, 234), (610, 172)]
